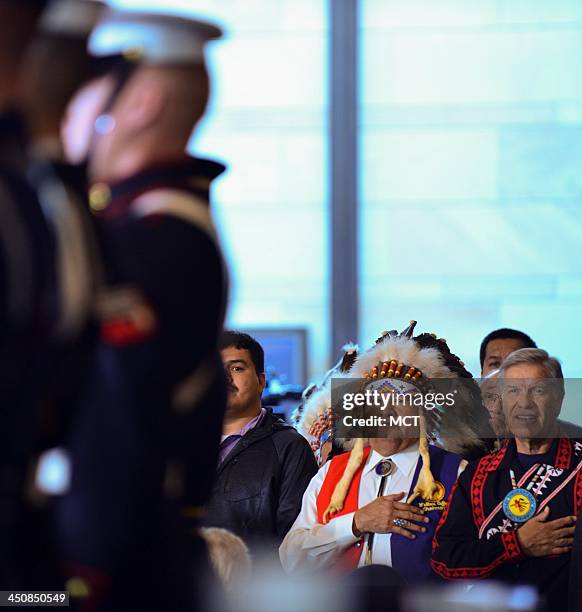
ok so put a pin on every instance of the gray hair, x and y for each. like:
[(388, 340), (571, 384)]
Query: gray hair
[(228, 555), (536, 356)]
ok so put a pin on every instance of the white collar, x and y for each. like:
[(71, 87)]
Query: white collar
[(405, 460)]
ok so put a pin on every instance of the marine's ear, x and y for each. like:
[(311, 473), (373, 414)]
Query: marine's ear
[(143, 103)]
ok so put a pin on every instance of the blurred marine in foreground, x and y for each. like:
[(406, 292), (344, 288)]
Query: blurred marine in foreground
[(145, 442), (49, 262), (24, 247)]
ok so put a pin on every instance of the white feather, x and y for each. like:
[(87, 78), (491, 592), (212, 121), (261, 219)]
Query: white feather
[(313, 408), (404, 350)]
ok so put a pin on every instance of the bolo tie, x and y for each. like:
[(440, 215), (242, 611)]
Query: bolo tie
[(384, 468)]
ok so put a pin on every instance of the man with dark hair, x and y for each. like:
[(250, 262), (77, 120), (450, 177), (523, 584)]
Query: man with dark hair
[(498, 344), (240, 340), (264, 464), (495, 348)]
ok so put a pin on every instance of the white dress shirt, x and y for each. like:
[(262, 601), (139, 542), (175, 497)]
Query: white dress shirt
[(311, 544)]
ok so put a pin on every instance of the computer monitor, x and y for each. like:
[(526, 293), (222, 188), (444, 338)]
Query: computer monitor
[(285, 352)]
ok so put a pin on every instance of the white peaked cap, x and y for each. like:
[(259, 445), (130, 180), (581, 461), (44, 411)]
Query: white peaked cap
[(75, 18), (151, 38)]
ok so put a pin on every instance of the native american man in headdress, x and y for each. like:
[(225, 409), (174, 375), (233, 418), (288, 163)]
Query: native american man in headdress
[(380, 500)]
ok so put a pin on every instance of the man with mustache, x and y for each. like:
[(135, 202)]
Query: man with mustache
[(512, 514), (264, 464)]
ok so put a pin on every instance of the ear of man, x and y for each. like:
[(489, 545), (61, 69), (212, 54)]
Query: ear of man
[(188, 87), (169, 98), (262, 382), (143, 104)]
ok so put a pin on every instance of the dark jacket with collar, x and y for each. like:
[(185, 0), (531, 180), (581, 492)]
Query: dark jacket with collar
[(260, 484)]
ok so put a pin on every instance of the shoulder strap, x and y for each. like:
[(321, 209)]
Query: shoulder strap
[(181, 204)]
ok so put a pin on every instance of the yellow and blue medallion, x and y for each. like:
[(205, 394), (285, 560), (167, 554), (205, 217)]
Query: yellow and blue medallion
[(519, 505)]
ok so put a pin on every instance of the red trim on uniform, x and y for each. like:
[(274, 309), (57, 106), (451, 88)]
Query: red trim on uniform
[(512, 546), (97, 582), (175, 172), (578, 494), (476, 492), (122, 332), (460, 573), (444, 516), (489, 463), (512, 552), (120, 206), (564, 454), (494, 459)]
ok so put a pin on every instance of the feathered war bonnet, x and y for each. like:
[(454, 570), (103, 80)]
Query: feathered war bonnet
[(413, 361)]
